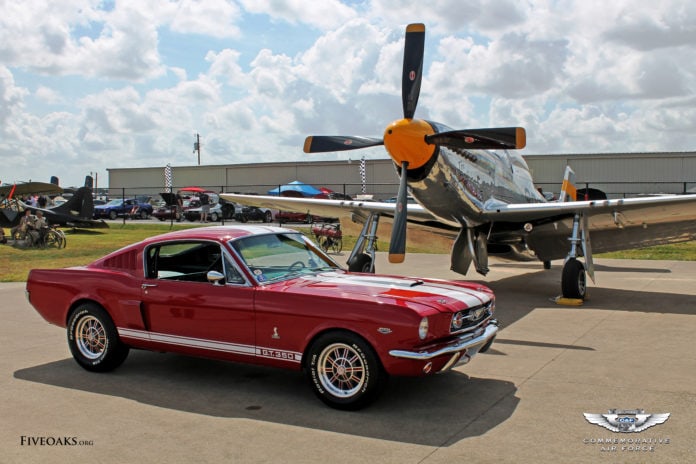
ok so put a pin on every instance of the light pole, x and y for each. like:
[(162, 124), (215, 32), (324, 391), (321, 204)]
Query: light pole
[(197, 147)]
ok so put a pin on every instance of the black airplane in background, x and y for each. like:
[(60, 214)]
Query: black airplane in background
[(76, 212)]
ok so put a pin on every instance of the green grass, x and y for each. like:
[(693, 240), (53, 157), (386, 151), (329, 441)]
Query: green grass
[(677, 252), (85, 246)]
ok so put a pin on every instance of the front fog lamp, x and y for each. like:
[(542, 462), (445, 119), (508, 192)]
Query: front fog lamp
[(423, 328)]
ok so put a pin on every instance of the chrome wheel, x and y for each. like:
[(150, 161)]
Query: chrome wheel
[(344, 370), (90, 337), (93, 339), (341, 370)]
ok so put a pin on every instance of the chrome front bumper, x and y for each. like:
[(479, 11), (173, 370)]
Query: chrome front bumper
[(466, 346)]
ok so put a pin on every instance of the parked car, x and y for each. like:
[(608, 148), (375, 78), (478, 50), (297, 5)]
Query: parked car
[(269, 296), (167, 210), (214, 214), (252, 213), (119, 208)]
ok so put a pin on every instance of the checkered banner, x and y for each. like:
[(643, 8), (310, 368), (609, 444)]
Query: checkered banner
[(363, 176), (168, 179)]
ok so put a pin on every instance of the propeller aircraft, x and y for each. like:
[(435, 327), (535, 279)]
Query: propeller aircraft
[(488, 197), (76, 212)]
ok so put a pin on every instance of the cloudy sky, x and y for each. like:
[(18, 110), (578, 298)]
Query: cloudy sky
[(87, 85)]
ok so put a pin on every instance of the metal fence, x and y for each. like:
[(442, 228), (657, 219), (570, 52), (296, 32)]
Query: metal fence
[(385, 191)]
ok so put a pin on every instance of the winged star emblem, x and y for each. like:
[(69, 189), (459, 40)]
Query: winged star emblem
[(626, 421)]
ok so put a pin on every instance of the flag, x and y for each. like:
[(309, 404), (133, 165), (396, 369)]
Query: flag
[(168, 179), (363, 176)]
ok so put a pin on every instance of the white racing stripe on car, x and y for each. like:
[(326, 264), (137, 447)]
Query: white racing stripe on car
[(213, 345), (469, 297)]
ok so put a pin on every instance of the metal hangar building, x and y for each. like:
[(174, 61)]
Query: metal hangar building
[(617, 174)]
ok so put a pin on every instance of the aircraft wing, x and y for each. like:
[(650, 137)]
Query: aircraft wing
[(628, 211), (614, 225), (329, 208), (30, 188)]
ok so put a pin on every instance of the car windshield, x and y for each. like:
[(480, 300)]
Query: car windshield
[(276, 257), (115, 202)]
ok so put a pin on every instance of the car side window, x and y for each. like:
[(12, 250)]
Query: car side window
[(232, 274), (188, 261)]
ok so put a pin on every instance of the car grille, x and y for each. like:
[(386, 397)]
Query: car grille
[(470, 318)]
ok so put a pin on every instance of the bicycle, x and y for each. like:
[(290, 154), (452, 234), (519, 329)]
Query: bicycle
[(329, 237), (48, 237), (55, 238)]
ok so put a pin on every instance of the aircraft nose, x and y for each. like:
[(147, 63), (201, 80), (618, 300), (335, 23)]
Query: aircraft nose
[(405, 141)]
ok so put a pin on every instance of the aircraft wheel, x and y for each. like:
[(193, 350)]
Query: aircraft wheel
[(361, 263), (573, 280)]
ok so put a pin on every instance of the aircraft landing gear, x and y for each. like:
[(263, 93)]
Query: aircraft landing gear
[(573, 281), (362, 257)]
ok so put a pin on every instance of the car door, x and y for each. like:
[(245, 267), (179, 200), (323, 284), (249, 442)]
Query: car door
[(189, 314)]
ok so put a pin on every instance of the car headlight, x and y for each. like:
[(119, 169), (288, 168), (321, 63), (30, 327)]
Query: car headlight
[(423, 328)]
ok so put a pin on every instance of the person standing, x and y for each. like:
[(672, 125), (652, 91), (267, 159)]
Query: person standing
[(205, 206)]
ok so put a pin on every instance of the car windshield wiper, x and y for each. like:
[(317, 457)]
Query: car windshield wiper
[(323, 269)]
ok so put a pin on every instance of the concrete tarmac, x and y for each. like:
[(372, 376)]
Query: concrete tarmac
[(630, 346)]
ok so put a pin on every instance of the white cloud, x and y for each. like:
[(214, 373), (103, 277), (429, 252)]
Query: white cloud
[(145, 76), (324, 14)]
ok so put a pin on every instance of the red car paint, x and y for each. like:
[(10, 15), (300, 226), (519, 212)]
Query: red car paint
[(252, 318)]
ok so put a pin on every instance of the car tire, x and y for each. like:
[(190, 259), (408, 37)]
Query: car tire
[(214, 217), (93, 339), (268, 217), (113, 215), (143, 214), (344, 371), (361, 263)]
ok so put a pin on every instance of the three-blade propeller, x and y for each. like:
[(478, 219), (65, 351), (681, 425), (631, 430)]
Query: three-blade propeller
[(498, 138)]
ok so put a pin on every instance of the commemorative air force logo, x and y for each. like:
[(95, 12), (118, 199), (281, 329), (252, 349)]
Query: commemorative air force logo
[(626, 420)]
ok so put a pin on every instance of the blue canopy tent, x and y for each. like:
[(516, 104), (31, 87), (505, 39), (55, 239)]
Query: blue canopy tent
[(295, 187)]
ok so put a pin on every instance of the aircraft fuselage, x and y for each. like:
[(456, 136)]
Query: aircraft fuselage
[(457, 185)]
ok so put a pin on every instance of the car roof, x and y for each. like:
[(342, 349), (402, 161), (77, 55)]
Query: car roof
[(224, 233), (215, 233)]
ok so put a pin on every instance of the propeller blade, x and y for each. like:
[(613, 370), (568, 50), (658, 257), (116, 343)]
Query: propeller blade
[(487, 139), (413, 68), (324, 143), (397, 243)]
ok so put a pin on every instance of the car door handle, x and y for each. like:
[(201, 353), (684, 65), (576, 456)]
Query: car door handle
[(146, 286)]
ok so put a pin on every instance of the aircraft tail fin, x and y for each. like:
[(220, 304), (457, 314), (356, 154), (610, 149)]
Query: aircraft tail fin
[(79, 205), (568, 190)]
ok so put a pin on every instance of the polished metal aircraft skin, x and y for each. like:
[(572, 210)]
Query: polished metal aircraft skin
[(467, 181)]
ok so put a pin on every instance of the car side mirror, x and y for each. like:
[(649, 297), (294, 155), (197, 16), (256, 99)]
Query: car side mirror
[(215, 277)]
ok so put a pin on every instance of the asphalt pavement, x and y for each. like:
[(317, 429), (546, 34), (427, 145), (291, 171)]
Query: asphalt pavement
[(630, 346)]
